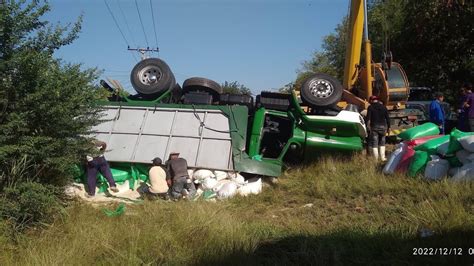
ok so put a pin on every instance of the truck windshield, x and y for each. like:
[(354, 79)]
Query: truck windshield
[(395, 77)]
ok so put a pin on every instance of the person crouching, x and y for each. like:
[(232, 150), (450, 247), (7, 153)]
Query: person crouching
[(182, 184), (158, 181)]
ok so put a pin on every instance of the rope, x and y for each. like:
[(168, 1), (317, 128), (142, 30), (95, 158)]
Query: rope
[(203, 125), (141, 22)]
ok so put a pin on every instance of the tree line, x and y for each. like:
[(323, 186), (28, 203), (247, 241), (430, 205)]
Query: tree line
[(432, 40)]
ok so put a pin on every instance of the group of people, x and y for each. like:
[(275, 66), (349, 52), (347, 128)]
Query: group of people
[(465, 110), (378, 121), (169, 180)]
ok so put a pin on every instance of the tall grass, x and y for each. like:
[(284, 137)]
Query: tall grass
[(336, 211)]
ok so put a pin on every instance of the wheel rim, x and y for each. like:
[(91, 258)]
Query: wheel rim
[(149, 75), (321, 88)]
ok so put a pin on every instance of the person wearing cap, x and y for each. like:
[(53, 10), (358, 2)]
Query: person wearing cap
[(158, 181), (96, 162), (182, 184), (437, 112), (378, 123)]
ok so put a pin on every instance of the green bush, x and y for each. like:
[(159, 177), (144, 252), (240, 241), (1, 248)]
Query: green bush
[(47, 106), (30, 204)]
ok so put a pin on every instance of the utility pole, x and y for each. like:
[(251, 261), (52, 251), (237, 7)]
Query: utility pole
[(142, 51)]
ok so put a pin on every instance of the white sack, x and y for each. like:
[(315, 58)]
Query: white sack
[(237, 178), (190, 172), (436, 168), (202, 174), (471, 157), (395, 159), (465, 173), (228, 190), (208, 183), (254, 186), (220, 184), (467, 143), (454, 171), (463, 156), (220, 175)]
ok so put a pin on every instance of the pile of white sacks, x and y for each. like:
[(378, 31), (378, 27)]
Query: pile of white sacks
[(223, 185), (466, 157)]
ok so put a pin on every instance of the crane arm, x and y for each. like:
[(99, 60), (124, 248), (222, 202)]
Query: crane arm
[(358, 34)]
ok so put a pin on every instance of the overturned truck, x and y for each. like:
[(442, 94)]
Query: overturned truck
[(215, 130)]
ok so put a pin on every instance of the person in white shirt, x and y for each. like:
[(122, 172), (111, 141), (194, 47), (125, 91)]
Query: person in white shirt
[(158, 181)]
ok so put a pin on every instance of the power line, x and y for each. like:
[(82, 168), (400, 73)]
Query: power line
[(126, 23), (154, 27), (141, 22), (118, 27)]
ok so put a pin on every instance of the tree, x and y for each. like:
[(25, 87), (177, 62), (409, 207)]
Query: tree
[(432, 40), (235, 87), (47, 105)]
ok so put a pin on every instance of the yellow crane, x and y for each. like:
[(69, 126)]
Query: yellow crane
[(387, 79)]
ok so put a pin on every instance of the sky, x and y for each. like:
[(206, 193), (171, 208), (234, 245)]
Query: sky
[(260, 43)]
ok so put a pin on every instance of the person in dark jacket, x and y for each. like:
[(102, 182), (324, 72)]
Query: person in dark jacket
[(96, 162), (181, 183), (463, 109), (378, 123), (437, 113)]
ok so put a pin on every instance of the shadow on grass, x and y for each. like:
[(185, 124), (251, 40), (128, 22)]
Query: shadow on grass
[(349, 248)]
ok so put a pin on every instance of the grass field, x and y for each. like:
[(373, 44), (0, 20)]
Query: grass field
[(338, 211)]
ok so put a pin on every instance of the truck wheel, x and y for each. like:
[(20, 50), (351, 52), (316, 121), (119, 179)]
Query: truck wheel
[(152, 76), (321, 90), (203, 85)]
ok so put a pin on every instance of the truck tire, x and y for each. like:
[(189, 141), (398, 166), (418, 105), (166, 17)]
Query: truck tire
[(321, 90), (203, 85), (151, 77)]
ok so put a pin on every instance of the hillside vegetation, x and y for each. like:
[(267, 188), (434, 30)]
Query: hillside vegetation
[(337, 211)]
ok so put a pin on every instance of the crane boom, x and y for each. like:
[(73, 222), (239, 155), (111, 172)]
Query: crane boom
[(358, 35)]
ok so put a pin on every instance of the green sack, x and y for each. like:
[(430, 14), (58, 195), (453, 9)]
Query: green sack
[(117, 212), (119, 175), (427, 129), (431, 145), (418, 163), (454, 144)]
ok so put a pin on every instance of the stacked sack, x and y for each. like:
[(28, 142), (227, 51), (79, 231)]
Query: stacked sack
[(424, 151), (225, 185)]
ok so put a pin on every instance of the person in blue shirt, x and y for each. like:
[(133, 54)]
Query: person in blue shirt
[(437, 112)]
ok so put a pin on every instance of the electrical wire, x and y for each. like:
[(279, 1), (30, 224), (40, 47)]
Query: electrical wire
[(154, 26), (126, 23), (141, 22), (118, 27)]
